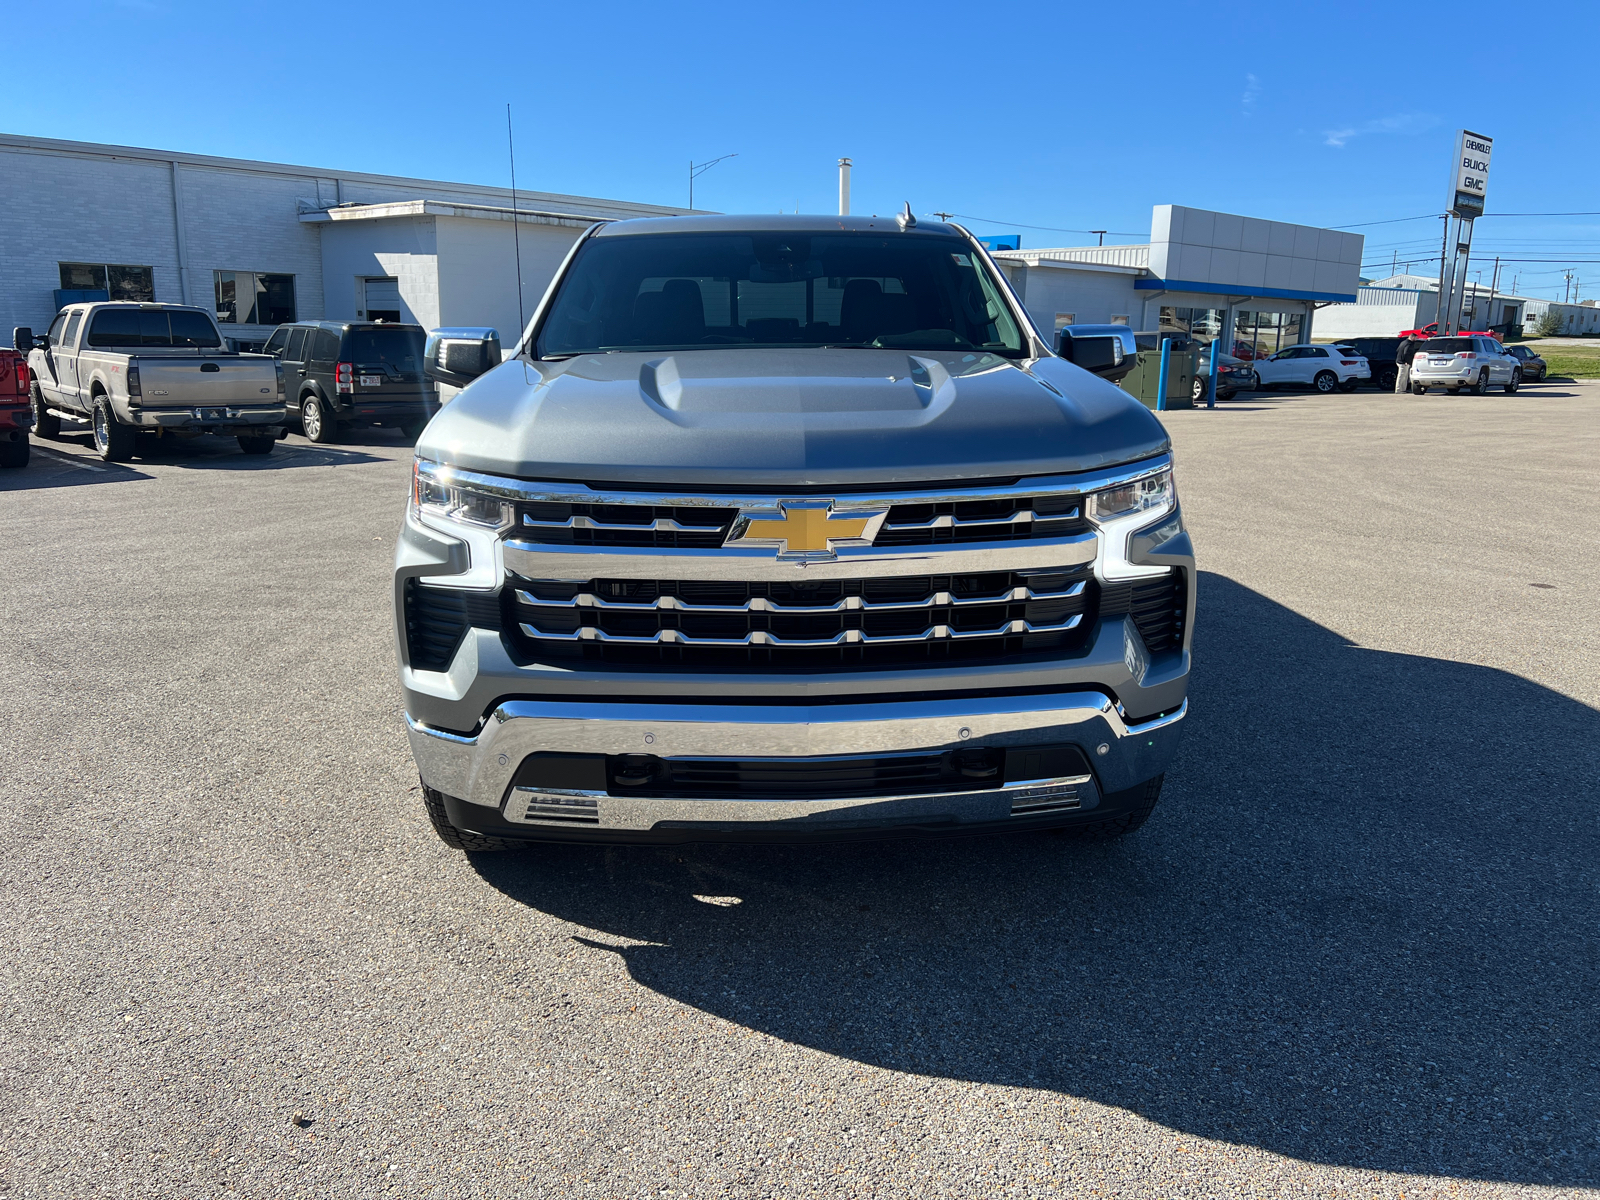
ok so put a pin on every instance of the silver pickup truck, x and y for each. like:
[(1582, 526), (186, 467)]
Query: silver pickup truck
[(131, 370), (787, 528)]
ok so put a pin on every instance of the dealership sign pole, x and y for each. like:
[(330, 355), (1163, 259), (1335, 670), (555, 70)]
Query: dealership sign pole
[(1469, 184)]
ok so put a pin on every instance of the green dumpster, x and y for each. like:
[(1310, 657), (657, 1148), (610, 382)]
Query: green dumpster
[(1144, 380)]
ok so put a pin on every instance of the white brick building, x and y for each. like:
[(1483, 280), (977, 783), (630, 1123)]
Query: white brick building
[(269, 241)]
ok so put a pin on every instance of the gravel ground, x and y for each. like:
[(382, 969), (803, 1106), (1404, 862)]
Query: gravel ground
[(1352, 953)]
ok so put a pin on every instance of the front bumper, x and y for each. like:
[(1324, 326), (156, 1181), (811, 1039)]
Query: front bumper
[(476, 774)]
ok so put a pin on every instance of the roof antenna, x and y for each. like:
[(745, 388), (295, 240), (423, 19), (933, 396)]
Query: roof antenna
[(516, 233), (905, 219)]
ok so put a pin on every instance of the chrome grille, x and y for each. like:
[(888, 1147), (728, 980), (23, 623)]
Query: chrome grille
[(1007, 518), (823, 624)]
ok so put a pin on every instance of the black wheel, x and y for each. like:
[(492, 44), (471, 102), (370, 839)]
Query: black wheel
[(1516, 381), (1143, 799), (257, 443), (113, 440), (1325, 382), (459, 839), (1481, 386), (45, 422), (1387, 377), (413, 429), (14, 454), (1349, 385), (315, 421), (1418, 390)]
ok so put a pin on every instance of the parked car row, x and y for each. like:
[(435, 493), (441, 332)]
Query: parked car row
[(132, 373)]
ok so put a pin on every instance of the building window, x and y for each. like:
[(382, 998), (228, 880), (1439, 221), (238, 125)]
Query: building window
[(118, 282), (246, 298), (1063, 319), (1202, 324), (1119, 318)]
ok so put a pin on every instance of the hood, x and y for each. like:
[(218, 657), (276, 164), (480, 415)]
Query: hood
[(790, 418)]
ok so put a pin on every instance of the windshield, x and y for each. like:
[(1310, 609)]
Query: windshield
[(399, 348), (152, 327), (698, 291)]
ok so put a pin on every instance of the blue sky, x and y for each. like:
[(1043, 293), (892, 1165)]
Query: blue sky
[(1068, 116)]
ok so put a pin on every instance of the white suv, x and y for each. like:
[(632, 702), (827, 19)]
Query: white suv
[(1464, 362), (1326, 368)]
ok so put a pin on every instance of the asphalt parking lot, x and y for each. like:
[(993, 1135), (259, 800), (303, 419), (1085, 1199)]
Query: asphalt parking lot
[(1354, 951)]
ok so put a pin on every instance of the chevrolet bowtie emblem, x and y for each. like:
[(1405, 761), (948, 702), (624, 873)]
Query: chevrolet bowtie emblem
[(805, 529)]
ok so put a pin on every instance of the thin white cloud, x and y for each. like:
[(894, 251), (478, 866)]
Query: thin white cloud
[(1252, 91), (1399, 123)]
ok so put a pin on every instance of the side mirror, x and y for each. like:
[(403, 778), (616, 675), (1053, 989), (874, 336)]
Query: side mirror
[(22, 338), (458, 356), (1104, 350)]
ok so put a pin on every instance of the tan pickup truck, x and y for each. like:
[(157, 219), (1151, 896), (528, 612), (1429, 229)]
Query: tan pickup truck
[(138, 371)]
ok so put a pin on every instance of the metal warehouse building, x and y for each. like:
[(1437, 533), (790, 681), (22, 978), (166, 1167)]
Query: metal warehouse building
[(1204, 273), (264, 243)]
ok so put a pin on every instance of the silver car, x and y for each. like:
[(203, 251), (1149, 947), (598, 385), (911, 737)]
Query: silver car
[(1474, 362), (787, 528)]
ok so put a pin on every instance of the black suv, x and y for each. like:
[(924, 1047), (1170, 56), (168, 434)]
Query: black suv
[(344, 373), (1380, 355)]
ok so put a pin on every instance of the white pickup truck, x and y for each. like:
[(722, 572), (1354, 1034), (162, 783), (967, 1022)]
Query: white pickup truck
[(141, 371)]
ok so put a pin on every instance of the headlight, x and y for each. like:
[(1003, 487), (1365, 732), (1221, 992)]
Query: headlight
[(1153, 494), (435, 494)]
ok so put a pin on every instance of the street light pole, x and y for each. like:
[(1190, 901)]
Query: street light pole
[(698, 169)]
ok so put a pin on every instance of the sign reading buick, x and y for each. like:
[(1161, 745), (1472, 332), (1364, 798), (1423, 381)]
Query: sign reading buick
[(1470, 182)]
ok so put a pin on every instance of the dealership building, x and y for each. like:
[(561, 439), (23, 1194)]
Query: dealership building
[(264, 243), (1202, 273)]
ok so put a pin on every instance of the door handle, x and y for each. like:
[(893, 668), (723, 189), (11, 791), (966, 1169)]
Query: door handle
[(302, 374)]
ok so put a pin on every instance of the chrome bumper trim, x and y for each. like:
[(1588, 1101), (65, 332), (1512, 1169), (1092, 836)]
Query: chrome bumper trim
[(1026, 798), (479, 769), (542, 560)]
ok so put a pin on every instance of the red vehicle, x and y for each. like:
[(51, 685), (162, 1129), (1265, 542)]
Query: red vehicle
[(16, 415), (1431, 329)]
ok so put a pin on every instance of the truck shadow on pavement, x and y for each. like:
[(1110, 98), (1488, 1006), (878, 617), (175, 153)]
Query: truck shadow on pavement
[(1360, 928), (211, 452)]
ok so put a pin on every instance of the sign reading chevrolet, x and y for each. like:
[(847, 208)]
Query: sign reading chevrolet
[(1470, 180)]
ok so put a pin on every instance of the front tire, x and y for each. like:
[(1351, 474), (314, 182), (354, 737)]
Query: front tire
[(257, 443), (1144, 799), (459, 839), (113, 440), (315, 421), (45, 422), (1325, 382), (1516, 382)]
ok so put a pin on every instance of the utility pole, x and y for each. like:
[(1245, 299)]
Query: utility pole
[(1494, 284), (1566, 295), (844, 187), (1102, 234), (1394, 264)]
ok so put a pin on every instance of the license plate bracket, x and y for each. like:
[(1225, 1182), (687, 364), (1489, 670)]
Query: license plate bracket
[(372, 381)]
